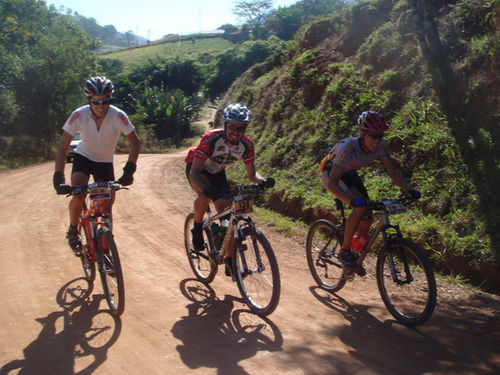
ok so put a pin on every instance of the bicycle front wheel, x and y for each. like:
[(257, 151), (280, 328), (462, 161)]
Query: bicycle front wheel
[(256, 272), (86, 256), (323, 244), (406, 282), (111, 271), (201, 262)]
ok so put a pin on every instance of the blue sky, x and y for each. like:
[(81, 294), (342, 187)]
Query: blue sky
[(155, 18)]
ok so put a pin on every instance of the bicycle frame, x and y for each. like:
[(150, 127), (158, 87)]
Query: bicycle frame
[(233, 228), (90, 221), (383, 224)]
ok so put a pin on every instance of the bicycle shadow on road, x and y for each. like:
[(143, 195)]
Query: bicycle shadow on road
[(72, 341), (216, 336), (382, 345)]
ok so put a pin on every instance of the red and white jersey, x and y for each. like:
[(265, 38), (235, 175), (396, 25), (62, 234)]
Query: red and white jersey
[(349, 154), (217, 154), (98, 145)]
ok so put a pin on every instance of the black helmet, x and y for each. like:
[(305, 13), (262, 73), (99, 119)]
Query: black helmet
[(98, 86), (236, 112)]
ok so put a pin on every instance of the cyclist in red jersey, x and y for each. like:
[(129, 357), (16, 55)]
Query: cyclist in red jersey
[(206, 163), (339, 176)]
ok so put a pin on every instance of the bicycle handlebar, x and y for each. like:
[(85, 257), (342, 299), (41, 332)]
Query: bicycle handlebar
[(243, 189), (72, 190)]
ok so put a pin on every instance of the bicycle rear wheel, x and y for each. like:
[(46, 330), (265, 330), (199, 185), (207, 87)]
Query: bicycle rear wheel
[(324, 241), (256, 272), (111, 271), (411, 297), (201, 262), (86, 256)]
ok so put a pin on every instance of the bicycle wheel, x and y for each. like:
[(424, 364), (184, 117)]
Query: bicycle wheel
[(202, 262), (324, 241), (86, 257), (111, 271), (410, 292), (256, 272)]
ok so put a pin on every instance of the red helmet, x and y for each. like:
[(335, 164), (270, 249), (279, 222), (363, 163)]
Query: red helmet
[(372, 122), (98, 86)]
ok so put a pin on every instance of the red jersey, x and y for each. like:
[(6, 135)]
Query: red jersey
[(217, 154)]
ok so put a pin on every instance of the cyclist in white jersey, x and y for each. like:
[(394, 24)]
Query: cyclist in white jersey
[(338, 172), (99, 124)]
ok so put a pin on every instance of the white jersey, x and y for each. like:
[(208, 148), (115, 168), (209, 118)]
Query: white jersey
[(98, 145)]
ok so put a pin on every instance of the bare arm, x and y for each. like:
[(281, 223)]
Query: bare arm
[(395, 176), (135, 146), (62, 151), (252, 173)]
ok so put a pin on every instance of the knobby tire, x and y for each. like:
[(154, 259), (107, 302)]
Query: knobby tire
[(413, 299), (323, 243), (112, 282), (258, 280), (202, 262)]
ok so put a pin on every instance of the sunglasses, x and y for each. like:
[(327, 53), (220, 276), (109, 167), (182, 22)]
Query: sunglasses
[(237, 128), (376, 136), (101, 102)]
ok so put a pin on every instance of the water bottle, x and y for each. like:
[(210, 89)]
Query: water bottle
[(216, 234), (224, 224), (358, 243)]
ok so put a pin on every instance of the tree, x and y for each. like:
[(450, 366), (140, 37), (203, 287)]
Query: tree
[(254, 13)]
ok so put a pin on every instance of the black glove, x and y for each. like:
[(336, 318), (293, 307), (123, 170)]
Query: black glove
[(128, 171), (414, 194), (269, 182), (57, 180), (212, 192), (64, 189), (358, 202)]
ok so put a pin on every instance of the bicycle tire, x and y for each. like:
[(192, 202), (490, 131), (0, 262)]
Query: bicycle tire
[(111, 272), (324, 240), (256, 272), (88, 263), (411, 301), (202, 262)]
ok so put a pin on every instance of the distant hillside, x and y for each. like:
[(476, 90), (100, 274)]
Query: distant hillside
[(442, 105), (107, 34)]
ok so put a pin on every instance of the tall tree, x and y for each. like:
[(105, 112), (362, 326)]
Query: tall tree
[(254, 14)]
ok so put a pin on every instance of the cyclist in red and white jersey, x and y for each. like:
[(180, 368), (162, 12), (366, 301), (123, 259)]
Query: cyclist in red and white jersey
[(99, 124), (206, 163), (338, 172)]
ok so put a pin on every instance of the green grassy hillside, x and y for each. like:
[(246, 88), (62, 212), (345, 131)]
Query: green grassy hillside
[(440, 104), (202, 50)]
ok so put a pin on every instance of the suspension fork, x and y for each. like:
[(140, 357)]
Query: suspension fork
[(390, 258)]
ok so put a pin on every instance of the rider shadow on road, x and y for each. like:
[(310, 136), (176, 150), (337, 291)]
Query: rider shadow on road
[(382, 345), (72, 341), (215, 336)]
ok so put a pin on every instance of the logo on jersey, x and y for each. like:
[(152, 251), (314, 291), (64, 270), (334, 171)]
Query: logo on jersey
[(73, 118), (123, 119)]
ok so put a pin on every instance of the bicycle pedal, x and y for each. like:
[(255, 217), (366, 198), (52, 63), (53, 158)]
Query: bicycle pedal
[(361, 271)]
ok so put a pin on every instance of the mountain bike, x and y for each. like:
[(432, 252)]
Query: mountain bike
[(98, 244), (253, 264), (405, 277)]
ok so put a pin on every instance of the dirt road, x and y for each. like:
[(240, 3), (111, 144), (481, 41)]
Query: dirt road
[(53, 323)]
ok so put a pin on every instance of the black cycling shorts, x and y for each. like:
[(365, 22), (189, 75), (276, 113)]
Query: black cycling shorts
[(102, 172), (352, 179), (218, 180)]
